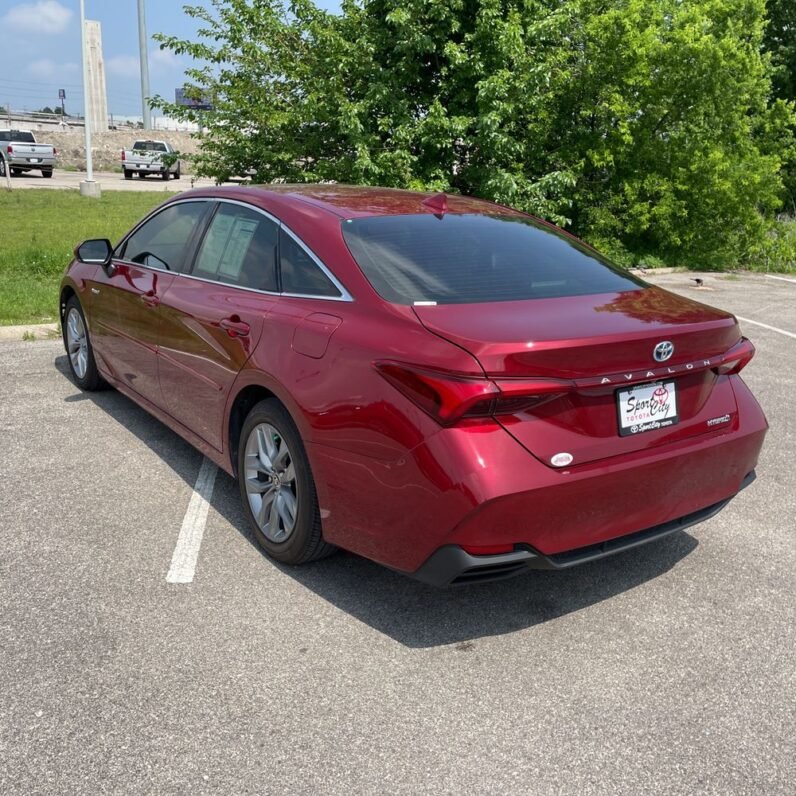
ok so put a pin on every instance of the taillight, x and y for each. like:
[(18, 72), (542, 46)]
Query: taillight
[(450, 397), (736, 359), (10, 150), (55, 151), (123, 156)]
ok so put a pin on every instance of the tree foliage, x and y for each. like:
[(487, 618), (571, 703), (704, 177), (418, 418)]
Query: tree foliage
[(780, 42), (645, 126)]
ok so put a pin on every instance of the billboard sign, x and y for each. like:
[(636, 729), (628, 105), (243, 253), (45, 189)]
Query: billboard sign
[(203, 104)]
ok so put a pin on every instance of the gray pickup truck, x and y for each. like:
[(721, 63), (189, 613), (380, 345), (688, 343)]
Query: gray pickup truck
[(20, 152), (151, 157)]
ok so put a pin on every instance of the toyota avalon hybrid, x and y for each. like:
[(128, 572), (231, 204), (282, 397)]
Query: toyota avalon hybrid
[(449, 387)]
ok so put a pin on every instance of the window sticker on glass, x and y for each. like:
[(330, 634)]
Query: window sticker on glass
[(240, 237)]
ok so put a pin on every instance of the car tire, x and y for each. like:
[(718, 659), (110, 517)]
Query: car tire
[(177, 174), (15, 172), (47, 173), (277, 488), (165, 175), (128, 175), (79, 351)]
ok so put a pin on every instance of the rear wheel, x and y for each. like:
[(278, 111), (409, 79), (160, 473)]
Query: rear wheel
[(48, 173), (177, 174), (15, 172), (78, 347), (165, 175), (128, 175), (277, 488)]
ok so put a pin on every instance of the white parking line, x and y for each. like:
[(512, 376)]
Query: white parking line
[(183, 562), (766, 326), (781, 278)]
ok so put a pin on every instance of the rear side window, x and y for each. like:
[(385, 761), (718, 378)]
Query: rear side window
[(299, 271), (162, 241), (239, 248), (462, 259)]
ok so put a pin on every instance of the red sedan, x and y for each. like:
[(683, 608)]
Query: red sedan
[(449, 387)]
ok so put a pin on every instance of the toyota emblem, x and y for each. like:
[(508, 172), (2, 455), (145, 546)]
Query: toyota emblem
[(663, 351)]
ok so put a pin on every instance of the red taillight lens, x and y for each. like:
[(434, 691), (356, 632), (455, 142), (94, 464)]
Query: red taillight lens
[(55, 151), (446, 397), (450, 397), (123, 156), (10, 150), (736, 359)]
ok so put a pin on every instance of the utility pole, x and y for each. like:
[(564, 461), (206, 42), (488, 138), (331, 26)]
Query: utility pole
[(88, 187), (144, 59)]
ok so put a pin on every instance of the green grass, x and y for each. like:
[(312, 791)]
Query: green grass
[(40, 230)]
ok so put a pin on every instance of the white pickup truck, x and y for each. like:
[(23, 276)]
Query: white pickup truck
[(19, 152), (147, 157)]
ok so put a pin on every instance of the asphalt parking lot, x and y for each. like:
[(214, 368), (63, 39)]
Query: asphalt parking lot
[(667, 669), (108, 180)]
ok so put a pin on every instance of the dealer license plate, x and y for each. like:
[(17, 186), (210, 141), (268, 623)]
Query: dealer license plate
[(646, 407)]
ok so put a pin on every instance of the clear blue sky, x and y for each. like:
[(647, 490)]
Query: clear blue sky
[(40, 51)]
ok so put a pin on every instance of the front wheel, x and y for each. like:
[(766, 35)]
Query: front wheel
[(78, 348), (277, 487)]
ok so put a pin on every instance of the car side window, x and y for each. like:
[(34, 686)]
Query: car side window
[(163, 240), (300, 273), (239, 248)]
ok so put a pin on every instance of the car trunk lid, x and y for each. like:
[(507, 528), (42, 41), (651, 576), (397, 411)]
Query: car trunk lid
[(598, 344)]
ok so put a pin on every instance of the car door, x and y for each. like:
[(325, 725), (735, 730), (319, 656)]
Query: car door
[(213, 316), (126, 297)]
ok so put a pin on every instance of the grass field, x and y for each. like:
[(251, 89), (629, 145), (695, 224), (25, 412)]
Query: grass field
[(39, 232)]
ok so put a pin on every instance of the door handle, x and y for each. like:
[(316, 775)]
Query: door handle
[(235, 327), (150, 298)]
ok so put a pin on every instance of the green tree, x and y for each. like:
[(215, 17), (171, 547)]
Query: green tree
[(643, 125), (780, 42)]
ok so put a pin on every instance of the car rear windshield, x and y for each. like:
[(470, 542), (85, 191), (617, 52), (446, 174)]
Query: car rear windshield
[(150, 146), (468, 258), (18, 136)]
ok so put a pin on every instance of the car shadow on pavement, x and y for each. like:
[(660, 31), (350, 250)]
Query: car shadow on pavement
[(412, 613)]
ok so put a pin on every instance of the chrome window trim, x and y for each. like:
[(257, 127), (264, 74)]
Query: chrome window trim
[(344, 294)]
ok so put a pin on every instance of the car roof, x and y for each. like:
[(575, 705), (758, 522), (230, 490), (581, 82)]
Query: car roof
[(354, 201)]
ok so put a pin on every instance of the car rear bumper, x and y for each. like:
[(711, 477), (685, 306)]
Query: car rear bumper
[(24, 162), (451, 565), (478, 487), (149, 167)]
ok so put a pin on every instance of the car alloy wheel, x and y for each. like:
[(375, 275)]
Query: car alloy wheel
[(77, 342), (271, 486)]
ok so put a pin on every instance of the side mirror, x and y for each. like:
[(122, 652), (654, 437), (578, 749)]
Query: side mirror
[(96, 251)]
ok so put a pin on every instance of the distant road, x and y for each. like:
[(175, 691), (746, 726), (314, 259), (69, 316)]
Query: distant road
[(109, 180)]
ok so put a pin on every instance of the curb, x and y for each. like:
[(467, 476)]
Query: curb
[(35, 331)]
